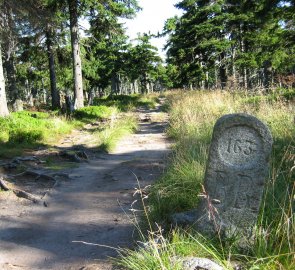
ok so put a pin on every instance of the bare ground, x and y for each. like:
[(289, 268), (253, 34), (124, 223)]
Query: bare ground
[(90, 206)]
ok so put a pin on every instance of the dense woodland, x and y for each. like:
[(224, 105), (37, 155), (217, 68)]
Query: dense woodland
[(219, 44)]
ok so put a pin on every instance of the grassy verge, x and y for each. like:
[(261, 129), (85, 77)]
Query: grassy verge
[(192, 116), (26, 129), (128, 103), (30, 129)]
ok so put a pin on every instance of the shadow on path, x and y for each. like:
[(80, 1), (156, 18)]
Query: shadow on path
[(92, 206)]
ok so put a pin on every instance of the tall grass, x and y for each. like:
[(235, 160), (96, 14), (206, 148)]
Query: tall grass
[(192, 117)]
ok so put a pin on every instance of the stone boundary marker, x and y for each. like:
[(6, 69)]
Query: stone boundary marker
[(237, 167)]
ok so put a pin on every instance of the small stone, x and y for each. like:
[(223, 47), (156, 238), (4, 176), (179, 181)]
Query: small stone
[(194, 263)]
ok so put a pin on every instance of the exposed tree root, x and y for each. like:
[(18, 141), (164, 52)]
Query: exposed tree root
[(20, 193), (37, 175), (3, 185), (23, 194), (76, 156)]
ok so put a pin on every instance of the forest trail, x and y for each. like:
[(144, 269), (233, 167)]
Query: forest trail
[(86, 208)]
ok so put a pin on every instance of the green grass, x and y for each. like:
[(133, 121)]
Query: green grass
[(117, 129), (95, 113), (192, 117), (26, 129), (128, 103)]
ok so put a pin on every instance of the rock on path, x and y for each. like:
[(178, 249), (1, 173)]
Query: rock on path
[(88, 208)]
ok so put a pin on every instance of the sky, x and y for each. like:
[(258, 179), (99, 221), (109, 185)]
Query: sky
[(152, 19)]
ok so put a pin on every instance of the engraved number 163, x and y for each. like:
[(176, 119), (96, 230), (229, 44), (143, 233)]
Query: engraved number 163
[(237, 146)]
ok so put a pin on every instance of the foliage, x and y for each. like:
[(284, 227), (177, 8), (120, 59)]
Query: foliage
[(218, 44)]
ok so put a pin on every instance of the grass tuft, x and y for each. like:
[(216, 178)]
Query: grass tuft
[(117, 129)]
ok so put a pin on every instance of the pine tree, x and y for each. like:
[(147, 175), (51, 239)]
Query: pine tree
[(77, 64), (143, 62), (228, 44)]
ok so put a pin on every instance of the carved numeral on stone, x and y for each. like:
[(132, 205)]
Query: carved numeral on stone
[(221, 190), (238, 146), (251, 147), (243, 191), (221, 176)]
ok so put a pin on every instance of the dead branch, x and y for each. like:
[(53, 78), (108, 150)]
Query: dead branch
[(23, 194), (3, 185), (20, 193)]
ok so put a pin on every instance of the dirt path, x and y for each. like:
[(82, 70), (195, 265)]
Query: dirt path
[(88, 207)]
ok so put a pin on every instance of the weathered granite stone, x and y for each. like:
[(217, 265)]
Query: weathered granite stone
[(237, 167), (194, 263)]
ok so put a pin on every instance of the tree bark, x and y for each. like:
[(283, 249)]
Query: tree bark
[(3, 103), (55, 99), (267, 70), (234, 73), (9, 46), (77, 65), (9, 66), (222, 71)]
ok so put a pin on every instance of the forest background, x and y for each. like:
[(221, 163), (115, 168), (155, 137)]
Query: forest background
[(245, 45)]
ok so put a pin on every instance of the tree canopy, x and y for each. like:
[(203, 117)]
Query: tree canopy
[(214, 44), (229, 44)]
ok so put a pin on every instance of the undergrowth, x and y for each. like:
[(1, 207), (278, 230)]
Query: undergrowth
[(95, 113), (128, 103), (192, 117), (30, 129)]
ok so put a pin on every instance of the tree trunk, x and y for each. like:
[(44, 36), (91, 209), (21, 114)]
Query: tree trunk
[(207, 80), (222, 71), (115, 85), (3, 103), (9, 67), (55, 99), (9, 46), (267, 72), (245, 78), (77, 66), (91, 96), (243, 50), (234, 73)]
